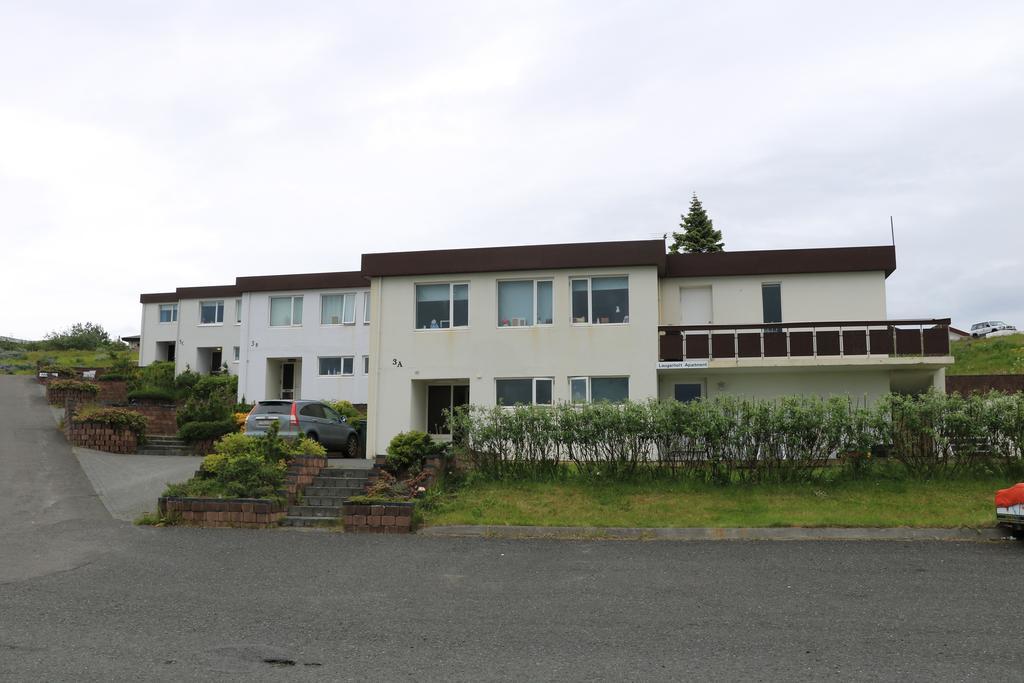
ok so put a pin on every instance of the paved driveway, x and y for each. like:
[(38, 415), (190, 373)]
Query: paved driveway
[(87, 597)]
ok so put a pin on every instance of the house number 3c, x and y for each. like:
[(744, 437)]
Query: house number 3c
[(397, 363)]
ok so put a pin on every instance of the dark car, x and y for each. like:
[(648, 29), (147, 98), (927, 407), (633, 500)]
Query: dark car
[(314, 419)]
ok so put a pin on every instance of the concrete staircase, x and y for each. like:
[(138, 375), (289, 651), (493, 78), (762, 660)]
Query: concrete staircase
[(164, 445), (324, 496)]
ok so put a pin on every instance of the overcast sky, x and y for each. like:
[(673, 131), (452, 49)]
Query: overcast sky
[(150, 145)]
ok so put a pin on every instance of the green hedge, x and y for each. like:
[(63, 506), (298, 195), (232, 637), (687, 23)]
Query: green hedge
[(729, 438), (115, 418), (74, 385), (112, 377), (191, 432), (151, 394)]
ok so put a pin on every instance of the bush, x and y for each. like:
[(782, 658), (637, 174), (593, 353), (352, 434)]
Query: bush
[(115, 418), (346, 409), (159, 375), (209, 399), (730, 439), (74, 385), (151, 394), (85, 336), (409, 450), (112, 377), (245, 467), (190, 432)]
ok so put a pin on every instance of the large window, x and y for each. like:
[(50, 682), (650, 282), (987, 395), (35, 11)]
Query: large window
[(168, 313), (600, 300), (285, 311), (522, 303), (338, 309), (211, 312), (442, 305), (331, 366), (594, 389), (525, 391)]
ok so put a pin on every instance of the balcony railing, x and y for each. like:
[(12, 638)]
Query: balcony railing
[(805, 340)]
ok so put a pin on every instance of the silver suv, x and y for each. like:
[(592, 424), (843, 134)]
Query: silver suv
[(314, 419)]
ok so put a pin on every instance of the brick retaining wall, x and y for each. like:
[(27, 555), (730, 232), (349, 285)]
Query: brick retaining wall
[(161, 418), (248, 513), (114, 392), (101, 437), (382, 518), (59, 397)]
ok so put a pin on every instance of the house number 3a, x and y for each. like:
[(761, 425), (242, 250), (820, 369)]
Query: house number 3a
[(397, 363)]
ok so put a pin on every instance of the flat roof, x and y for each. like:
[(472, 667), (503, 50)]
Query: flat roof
[(273, 283), (528, 257), (158, 298), (783, 262), (203, 292)]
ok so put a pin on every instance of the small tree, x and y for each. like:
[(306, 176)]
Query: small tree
[(699, 235), (85, 336)]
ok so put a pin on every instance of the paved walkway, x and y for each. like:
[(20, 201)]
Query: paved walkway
[(129, 485)]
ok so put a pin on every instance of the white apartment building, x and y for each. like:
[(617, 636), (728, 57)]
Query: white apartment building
[(196, 327), (285, 336), (623, 320), (304, 336)]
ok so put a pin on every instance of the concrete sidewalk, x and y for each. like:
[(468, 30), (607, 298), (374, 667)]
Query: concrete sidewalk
[(129, 485), (716, 534)]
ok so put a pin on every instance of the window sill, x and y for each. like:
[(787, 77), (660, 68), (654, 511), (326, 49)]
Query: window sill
[(575, 324), (333, 325), (524, 327), (440, 329), (337, 375), (284, 327), (210, 325)]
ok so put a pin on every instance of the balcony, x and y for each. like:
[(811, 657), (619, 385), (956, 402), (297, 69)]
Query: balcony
[(826, 340)]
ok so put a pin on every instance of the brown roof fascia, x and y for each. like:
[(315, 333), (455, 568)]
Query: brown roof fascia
[(783, 262), (158, 298), (275, 283), (204, 292), (528, 257)]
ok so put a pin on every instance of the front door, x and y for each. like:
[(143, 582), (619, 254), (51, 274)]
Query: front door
[(442, 397), (687, 392), (215, 360), (287, 380)]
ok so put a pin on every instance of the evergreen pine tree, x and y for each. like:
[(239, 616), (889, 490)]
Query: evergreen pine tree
[(699, 235)]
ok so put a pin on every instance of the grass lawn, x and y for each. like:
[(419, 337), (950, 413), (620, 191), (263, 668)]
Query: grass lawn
[(688, 504), (27, 359), (995, 356)]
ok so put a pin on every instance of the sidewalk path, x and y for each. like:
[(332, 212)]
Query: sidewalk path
[(129, 485)]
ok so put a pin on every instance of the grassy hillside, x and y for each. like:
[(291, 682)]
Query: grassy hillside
[(17, 362), (995, 356)]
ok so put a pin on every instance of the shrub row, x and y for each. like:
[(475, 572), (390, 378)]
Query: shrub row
[(730, 438), (190, 432), (151, 394), (74, 385), (115, 418)]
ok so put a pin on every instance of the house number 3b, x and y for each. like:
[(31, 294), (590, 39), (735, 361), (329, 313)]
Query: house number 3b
[(397, 363)]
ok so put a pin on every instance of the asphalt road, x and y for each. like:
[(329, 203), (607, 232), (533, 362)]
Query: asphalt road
[(86, 597)]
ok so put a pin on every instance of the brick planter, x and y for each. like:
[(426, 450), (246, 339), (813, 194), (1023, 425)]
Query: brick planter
[(301, 471), (161, 417), (114, 392), (59, 397), (247, 513), (378, 518), (102, 438)]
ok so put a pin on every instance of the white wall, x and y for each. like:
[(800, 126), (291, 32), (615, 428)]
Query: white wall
[(306, 342), (810, 297), (192, 336), (484, 351), (153, 331), (862, 385)]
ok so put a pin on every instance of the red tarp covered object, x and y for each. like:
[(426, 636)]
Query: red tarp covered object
[(1011, 496)]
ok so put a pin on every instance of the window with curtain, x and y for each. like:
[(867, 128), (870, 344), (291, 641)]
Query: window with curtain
[(442, 305), (522, 303), (285, 311), (211, 312), (338, 309), (168, 313)]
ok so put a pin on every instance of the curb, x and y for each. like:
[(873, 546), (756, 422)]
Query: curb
[(717, 534)]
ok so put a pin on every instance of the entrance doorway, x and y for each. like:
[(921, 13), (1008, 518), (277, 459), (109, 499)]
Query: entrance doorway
[(288, 380), (442, 397)]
